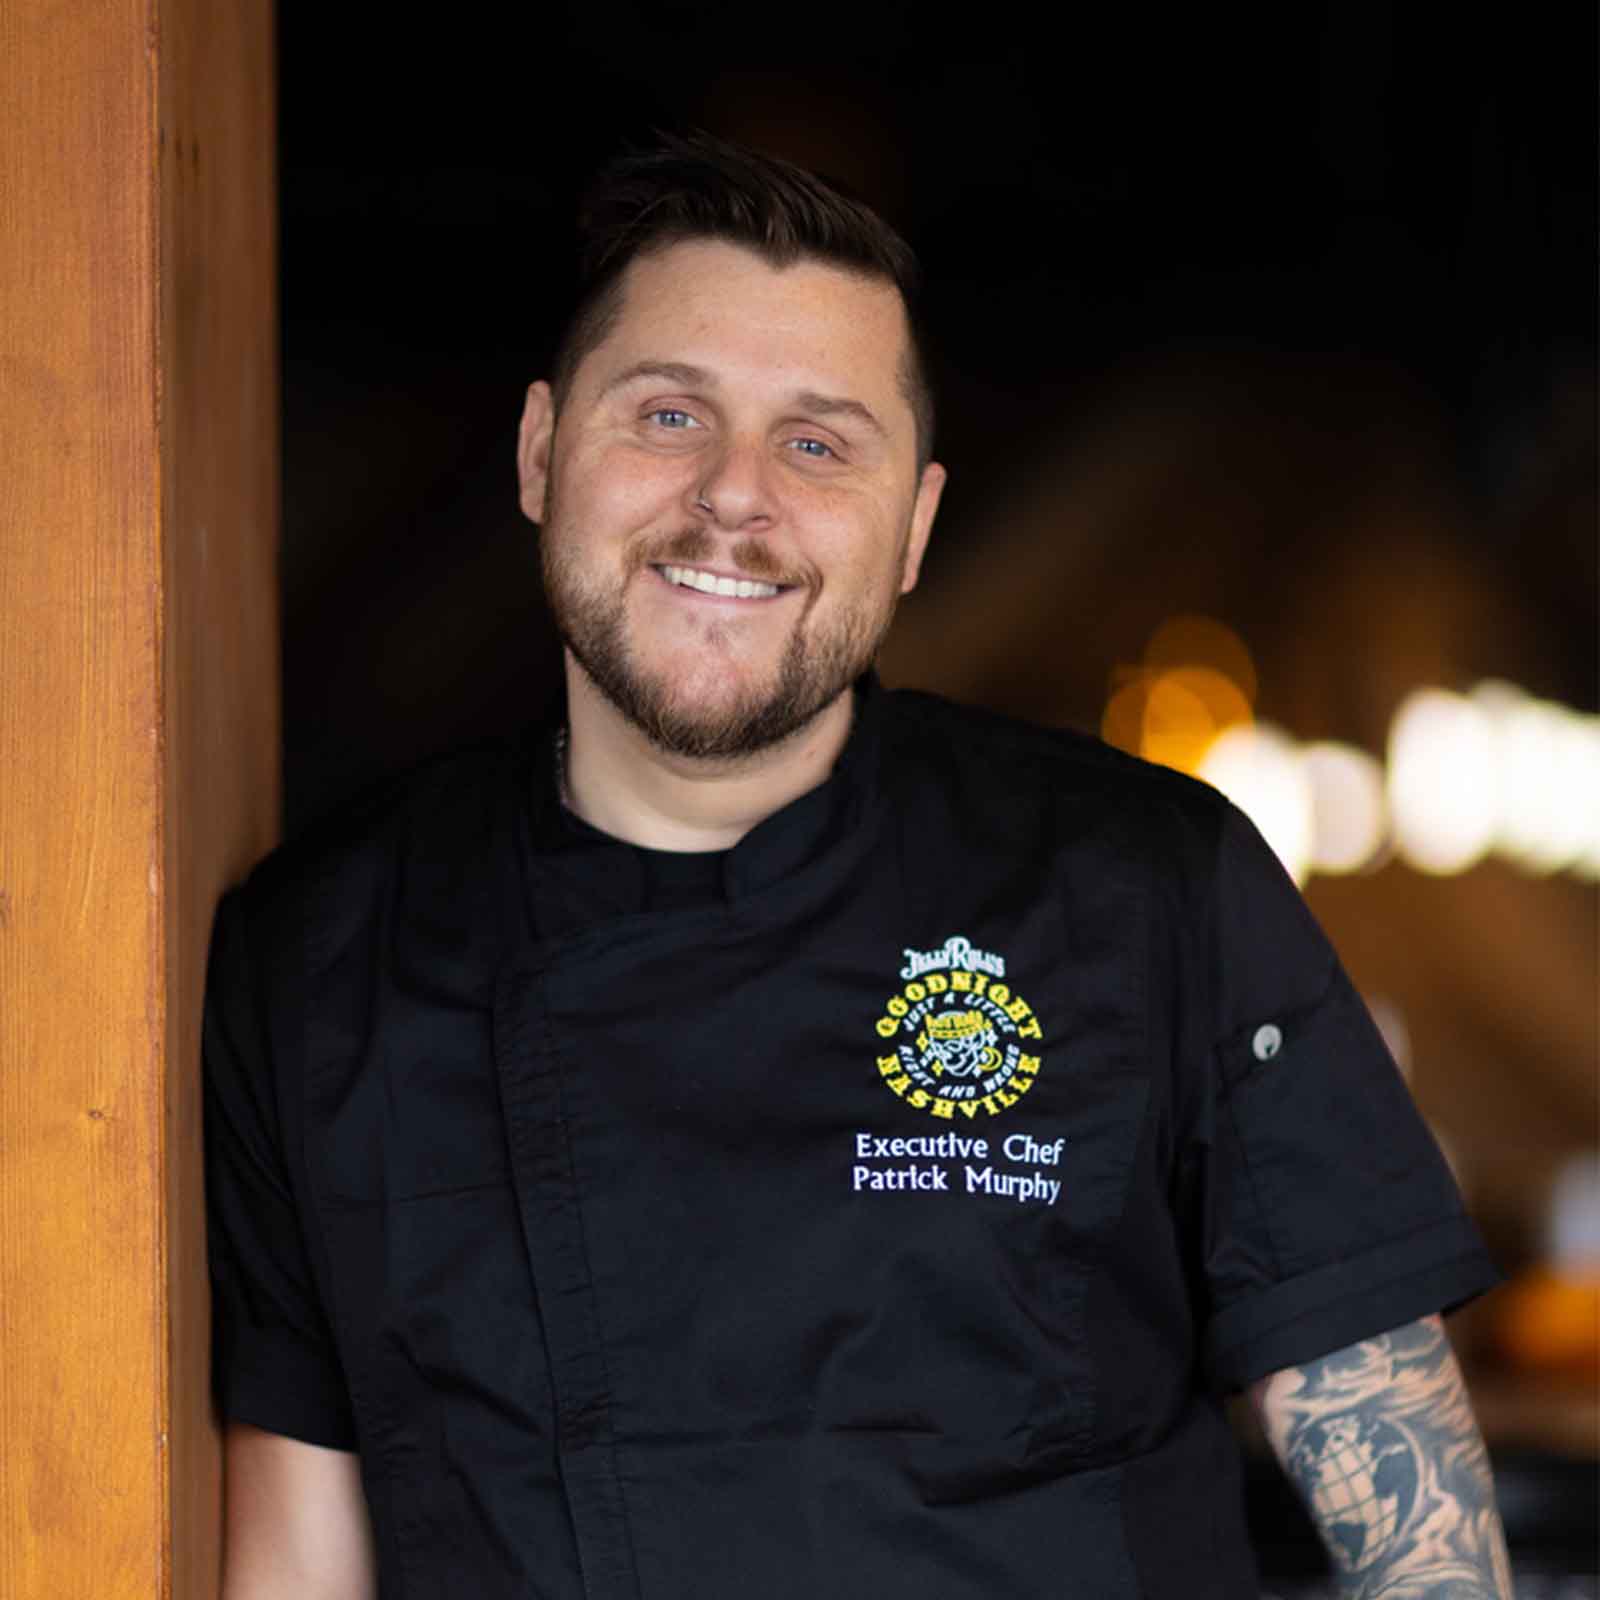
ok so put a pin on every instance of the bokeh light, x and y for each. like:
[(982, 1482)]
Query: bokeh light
[(1443, 794), (1194, 641), (1495, 770), (1260, 770), (1195, 682), (1548, 768), (1185, 711), (1349, 814)]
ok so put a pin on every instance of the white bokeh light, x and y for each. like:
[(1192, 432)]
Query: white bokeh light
[(1349, 818), (1259, 769), (1548, 767), (1496, 770), (1444, 802)]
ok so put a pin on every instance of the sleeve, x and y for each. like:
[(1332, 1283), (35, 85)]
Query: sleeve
[(1329, 1213), (274, 1360)]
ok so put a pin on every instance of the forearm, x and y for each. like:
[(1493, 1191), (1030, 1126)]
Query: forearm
[(296, 1523), (1380, 1441)]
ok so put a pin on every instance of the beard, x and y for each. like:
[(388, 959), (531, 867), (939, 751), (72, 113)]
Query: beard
[(811, 673)]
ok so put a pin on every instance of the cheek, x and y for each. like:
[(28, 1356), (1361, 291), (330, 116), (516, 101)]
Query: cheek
[(612, 493), (869, 549)]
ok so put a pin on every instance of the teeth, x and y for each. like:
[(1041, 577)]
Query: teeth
[(709, 583)]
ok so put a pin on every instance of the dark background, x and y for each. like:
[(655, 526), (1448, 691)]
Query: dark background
[(1410, 189)]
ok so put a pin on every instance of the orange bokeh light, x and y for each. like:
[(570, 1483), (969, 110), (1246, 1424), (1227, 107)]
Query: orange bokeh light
[(1191, 641), (1197, 680)]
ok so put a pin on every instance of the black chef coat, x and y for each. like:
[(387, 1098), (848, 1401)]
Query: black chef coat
[(885, 1221)]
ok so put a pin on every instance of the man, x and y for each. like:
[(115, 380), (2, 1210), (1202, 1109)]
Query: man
[(762, 1135)]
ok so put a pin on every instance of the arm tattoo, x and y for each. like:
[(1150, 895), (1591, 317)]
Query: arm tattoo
[(1380, 1441)]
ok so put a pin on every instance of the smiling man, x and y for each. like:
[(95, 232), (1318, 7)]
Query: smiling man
[(757, 1134), (733, 499)]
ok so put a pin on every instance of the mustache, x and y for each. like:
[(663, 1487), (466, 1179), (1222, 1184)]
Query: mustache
[(694, 547)]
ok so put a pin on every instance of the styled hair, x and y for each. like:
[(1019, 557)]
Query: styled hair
[(699, 187)]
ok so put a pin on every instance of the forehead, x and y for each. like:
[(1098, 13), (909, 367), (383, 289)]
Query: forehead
[(718, 305)]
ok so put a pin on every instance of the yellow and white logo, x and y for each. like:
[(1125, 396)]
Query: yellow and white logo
[(955, 1038)]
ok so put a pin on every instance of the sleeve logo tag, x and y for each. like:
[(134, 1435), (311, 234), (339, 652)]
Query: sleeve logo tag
[(952, 1039)]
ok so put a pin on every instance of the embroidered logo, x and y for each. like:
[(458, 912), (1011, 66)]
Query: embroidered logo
[(956, 1039)]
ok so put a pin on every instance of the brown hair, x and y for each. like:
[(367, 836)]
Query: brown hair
[(704, 188)]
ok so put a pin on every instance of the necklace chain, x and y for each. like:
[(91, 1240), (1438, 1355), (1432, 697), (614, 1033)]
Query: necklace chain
[(562, 792)]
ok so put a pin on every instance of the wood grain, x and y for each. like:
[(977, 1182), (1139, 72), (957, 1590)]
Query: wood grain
[(219, 509), (138, 750)]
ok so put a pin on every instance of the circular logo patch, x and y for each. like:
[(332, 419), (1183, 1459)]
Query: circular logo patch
[(956, 1039)]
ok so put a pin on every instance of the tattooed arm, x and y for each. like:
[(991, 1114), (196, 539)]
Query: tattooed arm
[(1380, 1441)]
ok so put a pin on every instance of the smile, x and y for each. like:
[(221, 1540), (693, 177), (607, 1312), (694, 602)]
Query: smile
[(710, 583)]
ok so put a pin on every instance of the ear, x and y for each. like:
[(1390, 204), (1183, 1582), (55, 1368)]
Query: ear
[(533, 450), (923, 511)]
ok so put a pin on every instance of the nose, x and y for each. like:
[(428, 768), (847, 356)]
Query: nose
[(734, 488)]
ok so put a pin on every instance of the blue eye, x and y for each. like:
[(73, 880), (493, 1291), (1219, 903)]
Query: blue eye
[(812, 447), (669, 417)]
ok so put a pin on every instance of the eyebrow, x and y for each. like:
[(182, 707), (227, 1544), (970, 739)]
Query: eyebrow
[(672, 371), (828, 405), (692, 377)]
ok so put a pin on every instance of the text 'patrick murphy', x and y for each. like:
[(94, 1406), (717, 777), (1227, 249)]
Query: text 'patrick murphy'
[(949, 1161)]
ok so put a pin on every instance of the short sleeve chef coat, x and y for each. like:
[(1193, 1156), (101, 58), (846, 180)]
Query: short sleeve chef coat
[(887, 1223)]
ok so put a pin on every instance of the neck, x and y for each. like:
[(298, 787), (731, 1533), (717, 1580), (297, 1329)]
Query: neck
[(621, 783)]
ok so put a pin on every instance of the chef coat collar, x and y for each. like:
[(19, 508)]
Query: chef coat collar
[(796, 834)]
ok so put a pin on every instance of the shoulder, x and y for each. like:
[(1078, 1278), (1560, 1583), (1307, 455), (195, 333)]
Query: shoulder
[(421, 848), (1034, 779)]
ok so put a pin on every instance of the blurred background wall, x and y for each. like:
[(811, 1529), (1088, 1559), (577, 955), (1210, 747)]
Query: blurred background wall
[(1282, 321)]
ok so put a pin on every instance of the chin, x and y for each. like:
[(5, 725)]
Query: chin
[(712, 714), (699, 698), (727, 727)]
